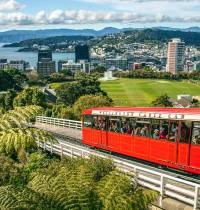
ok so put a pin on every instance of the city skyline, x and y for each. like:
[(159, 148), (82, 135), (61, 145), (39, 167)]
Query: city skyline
[(29, 14)]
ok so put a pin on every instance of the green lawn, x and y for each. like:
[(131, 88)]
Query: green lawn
[(141, 92), (56, 85)]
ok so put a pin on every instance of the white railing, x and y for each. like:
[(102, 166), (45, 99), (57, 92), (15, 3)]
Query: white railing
[(59, 122), (167, 185)]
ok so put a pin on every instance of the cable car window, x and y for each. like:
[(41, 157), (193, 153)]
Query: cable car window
[(114, 125), (88, 121), (159, 129), (95, 123), (155, 127), (142, 128), (196, 133), (185, 132), (102, 123), (173, 131)]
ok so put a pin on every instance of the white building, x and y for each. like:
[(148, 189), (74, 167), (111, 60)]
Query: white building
[(175, 56), (71, 66)]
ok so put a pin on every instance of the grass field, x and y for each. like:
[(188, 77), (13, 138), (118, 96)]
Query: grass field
[(141, 92), (56, 85)]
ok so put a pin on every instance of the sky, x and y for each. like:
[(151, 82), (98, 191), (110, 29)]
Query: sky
[(97, 14)]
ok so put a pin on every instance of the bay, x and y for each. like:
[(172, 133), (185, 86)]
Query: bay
[(11, 53)]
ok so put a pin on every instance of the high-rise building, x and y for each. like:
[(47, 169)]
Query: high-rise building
[(44, 55), (45, 65), (175, 56), (82, 52)]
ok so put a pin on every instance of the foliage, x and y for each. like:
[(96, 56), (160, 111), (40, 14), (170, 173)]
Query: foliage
[(162, 101), (6, 81), (89, 101), (11, 79), (99, 69), (6, 100), (19, 117), (8, 170), (85, 84), (150, 74), (60, 77), (16, 139), (30, 96), (69, 184)]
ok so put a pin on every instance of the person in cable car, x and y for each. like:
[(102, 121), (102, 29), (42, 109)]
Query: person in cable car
[(162, 133)]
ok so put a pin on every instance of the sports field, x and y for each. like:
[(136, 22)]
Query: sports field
[(141, 92)]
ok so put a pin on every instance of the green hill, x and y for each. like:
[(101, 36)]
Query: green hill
[(141, 92)]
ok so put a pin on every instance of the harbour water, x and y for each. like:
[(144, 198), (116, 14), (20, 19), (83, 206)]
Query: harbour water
[(31, 57)]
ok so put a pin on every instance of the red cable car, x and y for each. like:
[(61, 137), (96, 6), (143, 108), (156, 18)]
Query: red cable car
[(165, 136)]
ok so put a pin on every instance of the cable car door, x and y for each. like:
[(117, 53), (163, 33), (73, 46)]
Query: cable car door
[(183, 143), (104, 131)]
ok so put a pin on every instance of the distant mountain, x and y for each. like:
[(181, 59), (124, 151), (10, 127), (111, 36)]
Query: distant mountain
[(20, 35), (191, 29)]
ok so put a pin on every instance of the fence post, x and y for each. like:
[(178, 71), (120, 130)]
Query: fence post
[(61, 150), (162, 189), (51, 147), (196, 198), (45, 145)]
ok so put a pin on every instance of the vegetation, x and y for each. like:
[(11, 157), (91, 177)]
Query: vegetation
[(69, 93), (30, 96), (162, 101), (141, 92), (11, 79), (16, 138), (44, 182)]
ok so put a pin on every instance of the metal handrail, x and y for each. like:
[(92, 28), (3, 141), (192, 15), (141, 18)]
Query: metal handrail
[(59, 122)]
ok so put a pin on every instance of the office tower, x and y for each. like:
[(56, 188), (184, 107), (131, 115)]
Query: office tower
[(44, 55), (175, 56), (82, 52), (45, 65)]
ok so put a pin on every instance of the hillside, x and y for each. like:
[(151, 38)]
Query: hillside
[(141, 92), (149, 36)]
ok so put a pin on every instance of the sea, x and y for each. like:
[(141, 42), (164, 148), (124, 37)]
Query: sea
[(12, 53)]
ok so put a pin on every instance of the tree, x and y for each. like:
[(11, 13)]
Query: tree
[(99, 69), (16, 139), (90, 101), (6, 81), (30, 96), (162, 101), (6, 100), (85, 85), (67, 94)]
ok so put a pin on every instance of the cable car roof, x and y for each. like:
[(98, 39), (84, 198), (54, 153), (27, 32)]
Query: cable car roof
[(148, 112)]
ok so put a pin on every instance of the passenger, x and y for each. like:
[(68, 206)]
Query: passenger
[(162, 134), (138, 131), (112, 126), (124, 128), (145, 131), (173, 133), (130, 130), (156, 134)]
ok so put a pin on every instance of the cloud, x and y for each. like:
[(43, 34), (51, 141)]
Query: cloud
[(69, 17), (10, 6)]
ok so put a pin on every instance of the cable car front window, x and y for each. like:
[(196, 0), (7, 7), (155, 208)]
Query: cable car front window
[(196, 133), (88, 121)]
